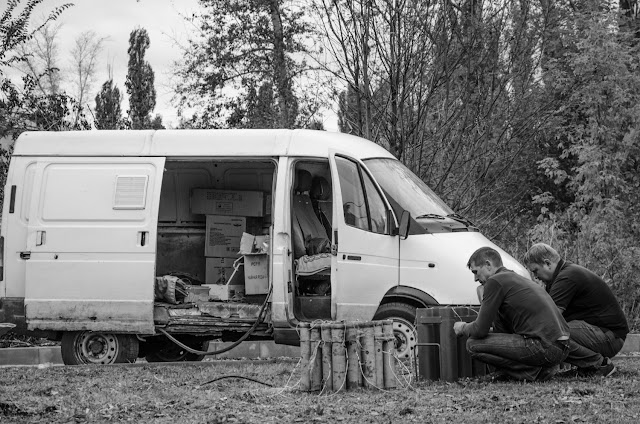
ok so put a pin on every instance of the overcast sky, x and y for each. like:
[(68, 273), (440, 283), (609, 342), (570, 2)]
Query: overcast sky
[(116, 19)]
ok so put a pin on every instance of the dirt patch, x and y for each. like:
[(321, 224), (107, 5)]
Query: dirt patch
[(178, 393)]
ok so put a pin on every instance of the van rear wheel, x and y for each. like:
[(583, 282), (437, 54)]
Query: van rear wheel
[(404, 327), (88, 347)]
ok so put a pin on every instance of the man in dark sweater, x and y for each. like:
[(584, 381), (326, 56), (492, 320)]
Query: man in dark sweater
[(598, 325), (530, 336)]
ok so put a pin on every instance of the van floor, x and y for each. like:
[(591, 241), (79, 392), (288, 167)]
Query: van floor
[(208, 318)]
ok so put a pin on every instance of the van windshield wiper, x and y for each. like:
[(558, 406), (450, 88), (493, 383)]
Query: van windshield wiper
[(461, 219), (430, 215)]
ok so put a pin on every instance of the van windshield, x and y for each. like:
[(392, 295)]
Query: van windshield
[(404, 190)]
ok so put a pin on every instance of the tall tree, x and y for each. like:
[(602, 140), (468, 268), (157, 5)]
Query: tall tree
[(108, 106), (140, 81), (247, 60), (86, 49), (41, 59)]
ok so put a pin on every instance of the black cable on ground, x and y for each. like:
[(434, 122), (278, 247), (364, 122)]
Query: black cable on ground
[(234, 344), (236, 376)]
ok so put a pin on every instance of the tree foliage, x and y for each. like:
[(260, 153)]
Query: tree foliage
[(27, 106), (108, 114), (596, 73), (522, 115), (244, 69), (140, 81)]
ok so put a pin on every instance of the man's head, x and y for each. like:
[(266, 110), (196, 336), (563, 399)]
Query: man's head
[(484, 262), (542, 260)]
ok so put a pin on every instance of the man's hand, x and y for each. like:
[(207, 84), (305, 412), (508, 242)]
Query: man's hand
[(458, 327)]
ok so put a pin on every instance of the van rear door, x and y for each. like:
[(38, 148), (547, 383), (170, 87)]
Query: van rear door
[(91, 244)]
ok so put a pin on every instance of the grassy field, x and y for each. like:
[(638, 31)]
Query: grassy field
[(179, 394)]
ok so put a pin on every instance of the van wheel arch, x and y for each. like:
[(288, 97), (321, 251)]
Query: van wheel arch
[(410, 296)]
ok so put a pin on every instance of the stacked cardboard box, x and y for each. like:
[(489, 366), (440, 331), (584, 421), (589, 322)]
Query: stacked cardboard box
[(227, 212), (223, 234), (227, 202)]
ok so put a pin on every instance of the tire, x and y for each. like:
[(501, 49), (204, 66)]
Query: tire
[(404, 327), (97, 348), (168, 351)]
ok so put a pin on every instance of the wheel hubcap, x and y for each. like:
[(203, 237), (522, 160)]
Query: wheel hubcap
[(405, 335), (97, 348)]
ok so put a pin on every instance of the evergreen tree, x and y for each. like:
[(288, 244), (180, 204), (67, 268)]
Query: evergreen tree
[(108, 111), (140, 81)]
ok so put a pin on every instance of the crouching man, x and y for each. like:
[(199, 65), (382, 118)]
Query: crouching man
[(597, 324), (530, 336)]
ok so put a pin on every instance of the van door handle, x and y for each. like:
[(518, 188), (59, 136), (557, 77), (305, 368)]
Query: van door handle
[(354, 258), (143, 237), (25, 255), (41, 238)]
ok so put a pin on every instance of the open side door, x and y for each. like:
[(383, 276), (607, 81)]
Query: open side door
[(366, 256), (91, 244)]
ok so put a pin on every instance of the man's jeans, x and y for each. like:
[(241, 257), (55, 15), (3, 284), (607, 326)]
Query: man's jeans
[(520, 357), (589, 344)]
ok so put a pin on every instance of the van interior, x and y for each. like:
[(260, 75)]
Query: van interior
[(182, 234), (312, 234), (183, 231)]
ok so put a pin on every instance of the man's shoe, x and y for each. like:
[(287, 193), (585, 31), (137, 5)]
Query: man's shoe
[(494, 377), (546, 373), (607, 368)]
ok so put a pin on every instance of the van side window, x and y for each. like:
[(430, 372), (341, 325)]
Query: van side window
[(362, 204)]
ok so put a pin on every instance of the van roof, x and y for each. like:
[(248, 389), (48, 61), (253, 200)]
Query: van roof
[(194, 143)]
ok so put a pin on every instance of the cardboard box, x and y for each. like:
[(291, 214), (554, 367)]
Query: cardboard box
[(220, 270), (227, 202), (197, 294), (232, 226), (256, 273), (223, 235), (225, 291), (250, 244)]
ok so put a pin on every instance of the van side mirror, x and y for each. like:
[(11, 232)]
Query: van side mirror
[(405, 220)]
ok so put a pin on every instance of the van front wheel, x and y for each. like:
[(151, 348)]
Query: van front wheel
[(88, 347), (404, 327)]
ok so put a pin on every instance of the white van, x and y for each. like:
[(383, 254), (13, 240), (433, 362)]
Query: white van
[(91, 218)]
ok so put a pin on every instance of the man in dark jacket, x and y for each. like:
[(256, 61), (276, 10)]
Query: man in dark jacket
[(530, 336), (598, 325)]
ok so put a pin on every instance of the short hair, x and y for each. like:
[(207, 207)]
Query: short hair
[(539, 252), (485, 254)]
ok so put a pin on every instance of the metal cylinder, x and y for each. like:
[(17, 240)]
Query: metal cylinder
[(353, 356), (428, 355), (338, 356), (315, 360), (448, 346), (368, 353), (465, 363), (327, 368), (378, 340), (305, 352), (388, 355)]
